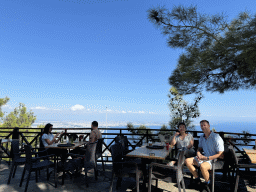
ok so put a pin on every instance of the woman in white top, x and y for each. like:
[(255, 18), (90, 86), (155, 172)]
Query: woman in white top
[(48, 138), (183, 139)]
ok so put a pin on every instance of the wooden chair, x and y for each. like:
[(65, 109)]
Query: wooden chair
[(221, 165), (16, 159), (237, 165), (98, 153), (218, 165), (164, 175), (123, 168), (1, 151), (35, 165), (87, 161), (123, 141)]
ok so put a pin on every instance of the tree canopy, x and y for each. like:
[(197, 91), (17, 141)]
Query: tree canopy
[(138, 130), (219, 55), (20, 117), (181, 110), (3, 101)]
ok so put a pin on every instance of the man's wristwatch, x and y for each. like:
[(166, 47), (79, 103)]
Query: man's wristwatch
[(208, 158)]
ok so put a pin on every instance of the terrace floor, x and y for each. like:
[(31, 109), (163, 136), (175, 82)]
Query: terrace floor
[(102, 185)]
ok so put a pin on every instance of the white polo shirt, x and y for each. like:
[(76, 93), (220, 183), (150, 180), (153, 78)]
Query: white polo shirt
[(212, 145)]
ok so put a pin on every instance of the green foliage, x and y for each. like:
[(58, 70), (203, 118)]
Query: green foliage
[(40, 126), (164, 130), (138, 130), (181, 110), (213, 129), (3, 101), (218, 55), (19, 118)]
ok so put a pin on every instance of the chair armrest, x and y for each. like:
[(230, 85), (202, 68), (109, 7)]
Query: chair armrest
[(39, 148), (162, 166), (21, 149), (45, 157), (134, 164), (127, 162), (84, 150), (74, 155), (41, 151), (37, 153), (19, 153), (215, 160), (247, 166)]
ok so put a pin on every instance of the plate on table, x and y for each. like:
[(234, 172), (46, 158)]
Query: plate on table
[(65, 145), (155, 147)]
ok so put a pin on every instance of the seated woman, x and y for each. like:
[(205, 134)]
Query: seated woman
[(48, 138), (183, 139)]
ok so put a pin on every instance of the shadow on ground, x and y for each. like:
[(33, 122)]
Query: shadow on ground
[(102, 185)]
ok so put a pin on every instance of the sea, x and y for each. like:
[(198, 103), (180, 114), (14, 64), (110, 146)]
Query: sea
[(232, 127)]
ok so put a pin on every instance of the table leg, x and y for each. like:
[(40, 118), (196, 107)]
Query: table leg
[(145, 171)]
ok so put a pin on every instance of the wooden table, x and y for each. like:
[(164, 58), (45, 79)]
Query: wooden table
[(63, 151), (76, 144), (144, 152), (251, 153), (146, 157)]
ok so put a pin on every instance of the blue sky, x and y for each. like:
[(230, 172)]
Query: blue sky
[(69, 60)]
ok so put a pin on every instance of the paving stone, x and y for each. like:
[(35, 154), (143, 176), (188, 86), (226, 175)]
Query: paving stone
[(102, 185)]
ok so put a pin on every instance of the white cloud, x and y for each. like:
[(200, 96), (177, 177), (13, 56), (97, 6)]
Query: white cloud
[(123, 112), (56, 109), (77, 107), (6, 106), (139, 112), (39, 107)]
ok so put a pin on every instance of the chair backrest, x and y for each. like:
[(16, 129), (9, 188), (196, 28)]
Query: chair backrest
[(90, 155), (196, 143), (181, 159), (227, 152), (99, 148), (15, 150), (28, 164), (41, 148), (123, 140), (233, 155), (15, 133), (117, 152), (41, 144), (0, 146), (1, 150)]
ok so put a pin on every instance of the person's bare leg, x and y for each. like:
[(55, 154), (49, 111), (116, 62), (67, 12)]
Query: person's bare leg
[(190, 162), (205, 167)]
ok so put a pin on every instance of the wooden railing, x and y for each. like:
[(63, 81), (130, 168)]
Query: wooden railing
[(135, 140)]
